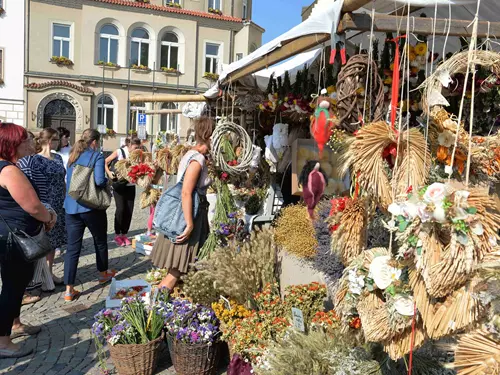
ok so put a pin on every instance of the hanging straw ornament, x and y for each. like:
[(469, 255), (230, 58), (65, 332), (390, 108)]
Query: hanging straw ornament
[(352, 79), (149, 197), (121, 169), (163, 158), (245, 158)]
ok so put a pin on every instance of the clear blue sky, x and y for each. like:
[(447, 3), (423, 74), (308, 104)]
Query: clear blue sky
[(277, 16)]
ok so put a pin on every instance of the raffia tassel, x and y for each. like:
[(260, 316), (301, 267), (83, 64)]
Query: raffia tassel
[(149, 197), (374, 318), (400, 345), (458, 311), (477, 353), (350, 238), (163, 158), (121, 169)]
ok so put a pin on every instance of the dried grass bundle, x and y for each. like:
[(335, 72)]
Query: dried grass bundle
[(458, 311), (163, 158), (400, 345), (295, 232), (374, 318), (121, 169), (364, 155), (139, 156), (477, 353), (349, 239), (149, 197), (177, 154)]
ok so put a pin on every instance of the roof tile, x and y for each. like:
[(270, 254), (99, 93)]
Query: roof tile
[(137, 4)]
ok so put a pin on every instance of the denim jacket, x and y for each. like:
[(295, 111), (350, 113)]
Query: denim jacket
[(71, 205)]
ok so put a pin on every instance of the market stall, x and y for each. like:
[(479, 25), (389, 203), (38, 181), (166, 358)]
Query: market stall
[(376, 169)]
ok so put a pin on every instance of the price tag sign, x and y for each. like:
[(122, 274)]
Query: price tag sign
[(298, 319), (226, 302)]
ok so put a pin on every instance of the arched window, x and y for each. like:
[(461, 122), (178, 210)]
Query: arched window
[(135, 109), (169, 120), (108, 44), (105, 111), (139, 47), (170, 51)]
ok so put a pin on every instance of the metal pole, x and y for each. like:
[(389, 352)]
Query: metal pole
[(102, 107), (154, 104), (128, 100)]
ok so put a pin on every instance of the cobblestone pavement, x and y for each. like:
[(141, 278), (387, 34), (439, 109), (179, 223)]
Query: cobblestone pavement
[(65, 345)]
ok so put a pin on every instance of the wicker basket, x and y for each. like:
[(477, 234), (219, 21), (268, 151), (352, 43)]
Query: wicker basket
[(193, 359), (140, 359)]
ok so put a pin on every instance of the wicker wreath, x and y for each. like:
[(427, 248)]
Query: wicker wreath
[(245, 157), (349, 107)]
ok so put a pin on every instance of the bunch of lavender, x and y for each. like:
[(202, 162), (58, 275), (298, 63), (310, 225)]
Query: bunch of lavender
[(325, 261), (191, 323)]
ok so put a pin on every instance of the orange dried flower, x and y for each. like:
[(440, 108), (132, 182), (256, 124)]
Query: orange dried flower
[(442, 153)]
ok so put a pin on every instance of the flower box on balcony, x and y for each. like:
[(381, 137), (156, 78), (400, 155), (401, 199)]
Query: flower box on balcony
[(170, 71), (215, 11), (108, 65), (61, 61), (143, 1), (174, 5), (140, 68), (211, 76)]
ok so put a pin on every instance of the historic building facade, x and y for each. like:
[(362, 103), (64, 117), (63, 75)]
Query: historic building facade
[(12, 61), (77, 70)]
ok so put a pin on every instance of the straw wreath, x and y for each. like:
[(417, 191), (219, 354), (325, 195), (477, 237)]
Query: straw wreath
[(149, 197), (245, 142), (401, 344), (374, 318), (364, 156), (349, 239), (163, 158), (350, 108), (121, 169), (177, 153), (458, 63), (477, 353), (139, 156)]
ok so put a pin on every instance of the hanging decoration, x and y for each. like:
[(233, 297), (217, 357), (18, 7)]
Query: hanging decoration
[(322, 122)]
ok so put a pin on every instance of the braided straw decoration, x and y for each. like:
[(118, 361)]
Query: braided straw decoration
[(217, 150), (349, 107)]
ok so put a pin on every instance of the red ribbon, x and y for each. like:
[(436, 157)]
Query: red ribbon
[(395, 82)]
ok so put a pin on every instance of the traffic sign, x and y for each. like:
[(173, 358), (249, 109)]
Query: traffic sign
[(141, 119)]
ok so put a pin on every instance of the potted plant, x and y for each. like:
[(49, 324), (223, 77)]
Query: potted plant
[(143, 1), (193, 337), (173, 5), (108, 64), (134, 334), (211, 76), (172, 71), (143, 68), (61, 61), (215, 11)]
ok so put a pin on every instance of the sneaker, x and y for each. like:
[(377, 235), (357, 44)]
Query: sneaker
[(126, 241), (119, 241)]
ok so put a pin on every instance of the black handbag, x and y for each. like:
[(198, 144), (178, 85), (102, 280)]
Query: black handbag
[(31, 248)]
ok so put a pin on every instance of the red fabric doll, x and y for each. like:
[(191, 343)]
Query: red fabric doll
[(313, 181)]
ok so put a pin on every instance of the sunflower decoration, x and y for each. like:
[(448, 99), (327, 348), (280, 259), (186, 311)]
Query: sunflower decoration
[(420, 49)]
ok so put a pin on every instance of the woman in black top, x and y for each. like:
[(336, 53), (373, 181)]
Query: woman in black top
[(20, 209)]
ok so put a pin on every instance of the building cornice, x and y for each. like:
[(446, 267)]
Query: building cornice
[(59, 84), (98, 81)]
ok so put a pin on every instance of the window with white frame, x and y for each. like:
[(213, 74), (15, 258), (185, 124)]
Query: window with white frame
[(169, 51), (169, 120), (212, 51), (61, 40), (239, 56), (166, 2), (215, 4), (2, 73), (135, 110), (108, 44), (139, 47), (245, 9), (105, 111)]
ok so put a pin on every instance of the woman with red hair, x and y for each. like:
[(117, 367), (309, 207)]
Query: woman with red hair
[(20, 209)]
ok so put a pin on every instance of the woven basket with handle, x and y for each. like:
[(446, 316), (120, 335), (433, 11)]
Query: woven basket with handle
[(132, 359), (193, 359)]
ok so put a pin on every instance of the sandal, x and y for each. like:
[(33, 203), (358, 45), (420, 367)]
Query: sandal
[(103, 279), (28, 300), (69, 297)]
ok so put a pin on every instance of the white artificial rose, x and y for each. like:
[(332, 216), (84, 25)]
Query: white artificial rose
[(394, 209), (383, 273), (439, 214), (404, 305), (446, 139), (435, 193), (409, 210)]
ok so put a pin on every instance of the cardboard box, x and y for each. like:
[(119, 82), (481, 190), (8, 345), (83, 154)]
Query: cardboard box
[(143, 243), (304, 150), (112, 303)]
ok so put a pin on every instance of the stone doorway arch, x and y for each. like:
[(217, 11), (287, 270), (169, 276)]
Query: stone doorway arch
[(60, 109)]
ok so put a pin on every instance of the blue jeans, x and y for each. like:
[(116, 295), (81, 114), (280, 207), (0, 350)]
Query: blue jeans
[(97, 222)]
